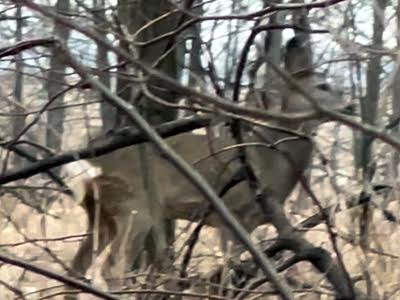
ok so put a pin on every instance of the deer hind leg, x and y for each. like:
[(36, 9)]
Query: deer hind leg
[(127, 245), (84, 257), (81, 263), (103, 233)]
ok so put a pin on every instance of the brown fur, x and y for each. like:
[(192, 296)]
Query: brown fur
[(126, 214)]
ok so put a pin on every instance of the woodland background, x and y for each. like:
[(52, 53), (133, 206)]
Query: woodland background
[(47, 110)]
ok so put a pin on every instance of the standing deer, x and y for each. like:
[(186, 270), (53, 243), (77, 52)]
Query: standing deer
[(125, 215)]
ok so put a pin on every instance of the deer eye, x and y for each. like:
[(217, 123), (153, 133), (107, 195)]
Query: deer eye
[(324, 87)]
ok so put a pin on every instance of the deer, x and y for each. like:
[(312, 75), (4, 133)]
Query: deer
[(117, 201)]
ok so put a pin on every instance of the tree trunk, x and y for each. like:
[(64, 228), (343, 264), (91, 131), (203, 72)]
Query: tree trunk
[(107, 111), (396, 102), (369, 108), (369, 104), (18, 121), (134, 15), (55, 83)]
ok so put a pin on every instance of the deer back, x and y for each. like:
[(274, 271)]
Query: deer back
[(178, 196)]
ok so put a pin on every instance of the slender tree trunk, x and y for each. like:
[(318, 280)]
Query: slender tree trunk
[(108, 113), (369, 104), (195, 54), (396, 101), (134, 15), (18, 121), (306, 63), (55, 83), (369, 109)]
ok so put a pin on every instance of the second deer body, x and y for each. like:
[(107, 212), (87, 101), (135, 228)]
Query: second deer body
[(125, 214)]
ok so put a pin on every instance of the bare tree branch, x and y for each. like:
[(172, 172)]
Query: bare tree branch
[(123, 138), (56, 276), (192, 175)]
